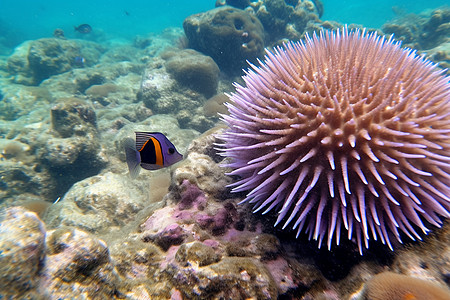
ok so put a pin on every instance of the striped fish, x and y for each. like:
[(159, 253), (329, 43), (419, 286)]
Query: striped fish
[(151, 151)]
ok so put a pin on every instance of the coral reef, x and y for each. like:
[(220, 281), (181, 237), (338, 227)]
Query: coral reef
[(193, 70), (77, 259), (35, 61), (215, 105), (281, 19), (73, 224), (22, 247), (40, 264), (100, 203), (192, 243), (392, 286), (428, 32), (423, 31), (229, 35), (441, 55), (161, 93), (98, 92), (73, 149)]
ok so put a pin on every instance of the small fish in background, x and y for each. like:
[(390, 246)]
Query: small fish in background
[(151, 151), (83, 28), (79, 61)]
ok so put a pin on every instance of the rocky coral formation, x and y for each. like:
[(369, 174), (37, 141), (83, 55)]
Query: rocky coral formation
[(229, 35), (281, 19), (163, 94), (441, 55), (22, 248), (101, 203), (175, 233), (35, 61), (19, 101), (389, 285), (193, 70), (423, 31), (60, 131), (195, 242), (77, 259), (40, 264), (73, 149), (427, 32)]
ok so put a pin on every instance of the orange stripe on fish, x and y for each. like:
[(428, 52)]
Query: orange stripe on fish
[(158, 153), (159, 159)]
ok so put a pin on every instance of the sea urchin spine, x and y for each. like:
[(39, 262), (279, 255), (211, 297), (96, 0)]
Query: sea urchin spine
[(344, 130)]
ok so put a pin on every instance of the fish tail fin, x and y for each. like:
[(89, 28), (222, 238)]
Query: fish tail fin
[(132, 156)]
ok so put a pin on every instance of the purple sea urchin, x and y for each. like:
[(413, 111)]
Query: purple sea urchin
[(344, 130)]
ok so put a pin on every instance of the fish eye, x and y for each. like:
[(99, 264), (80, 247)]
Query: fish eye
[(171, 150)]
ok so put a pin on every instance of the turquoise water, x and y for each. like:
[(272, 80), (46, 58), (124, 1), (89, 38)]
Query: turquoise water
[(33, 19), (72, 218), (374, 13), (30, 19)]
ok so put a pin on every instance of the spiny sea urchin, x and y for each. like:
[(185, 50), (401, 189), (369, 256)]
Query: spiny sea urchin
[(344, 129)]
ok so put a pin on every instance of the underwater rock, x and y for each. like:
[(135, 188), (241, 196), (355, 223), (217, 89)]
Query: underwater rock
[(136, 259), (19, 100), (389, 285), (100, 92), (163, 95), (201, 170), (282, 19), (193, 70), (139, 265), (37, 60), (62, 152), (35, 264), (74, 149), (77, 263), (87, 79), (437, 28), (18, 66), (47, 57), (441, 55), (101, 203), (229, 35), (423, 31), (22, 248), (122, 53), (73, 116), (266, 246), (142, 42), (429, 260), (171, 235), (200, 167), (13, 149), (241, 4), (71, 159), (23, 180), (196, 254), (215, 105), (230, 278)]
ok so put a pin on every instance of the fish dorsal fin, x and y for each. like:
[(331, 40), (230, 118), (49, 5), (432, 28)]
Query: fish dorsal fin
[(142, 138)]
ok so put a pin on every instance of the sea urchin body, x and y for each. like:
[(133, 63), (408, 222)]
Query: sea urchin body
[(346, 130)]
